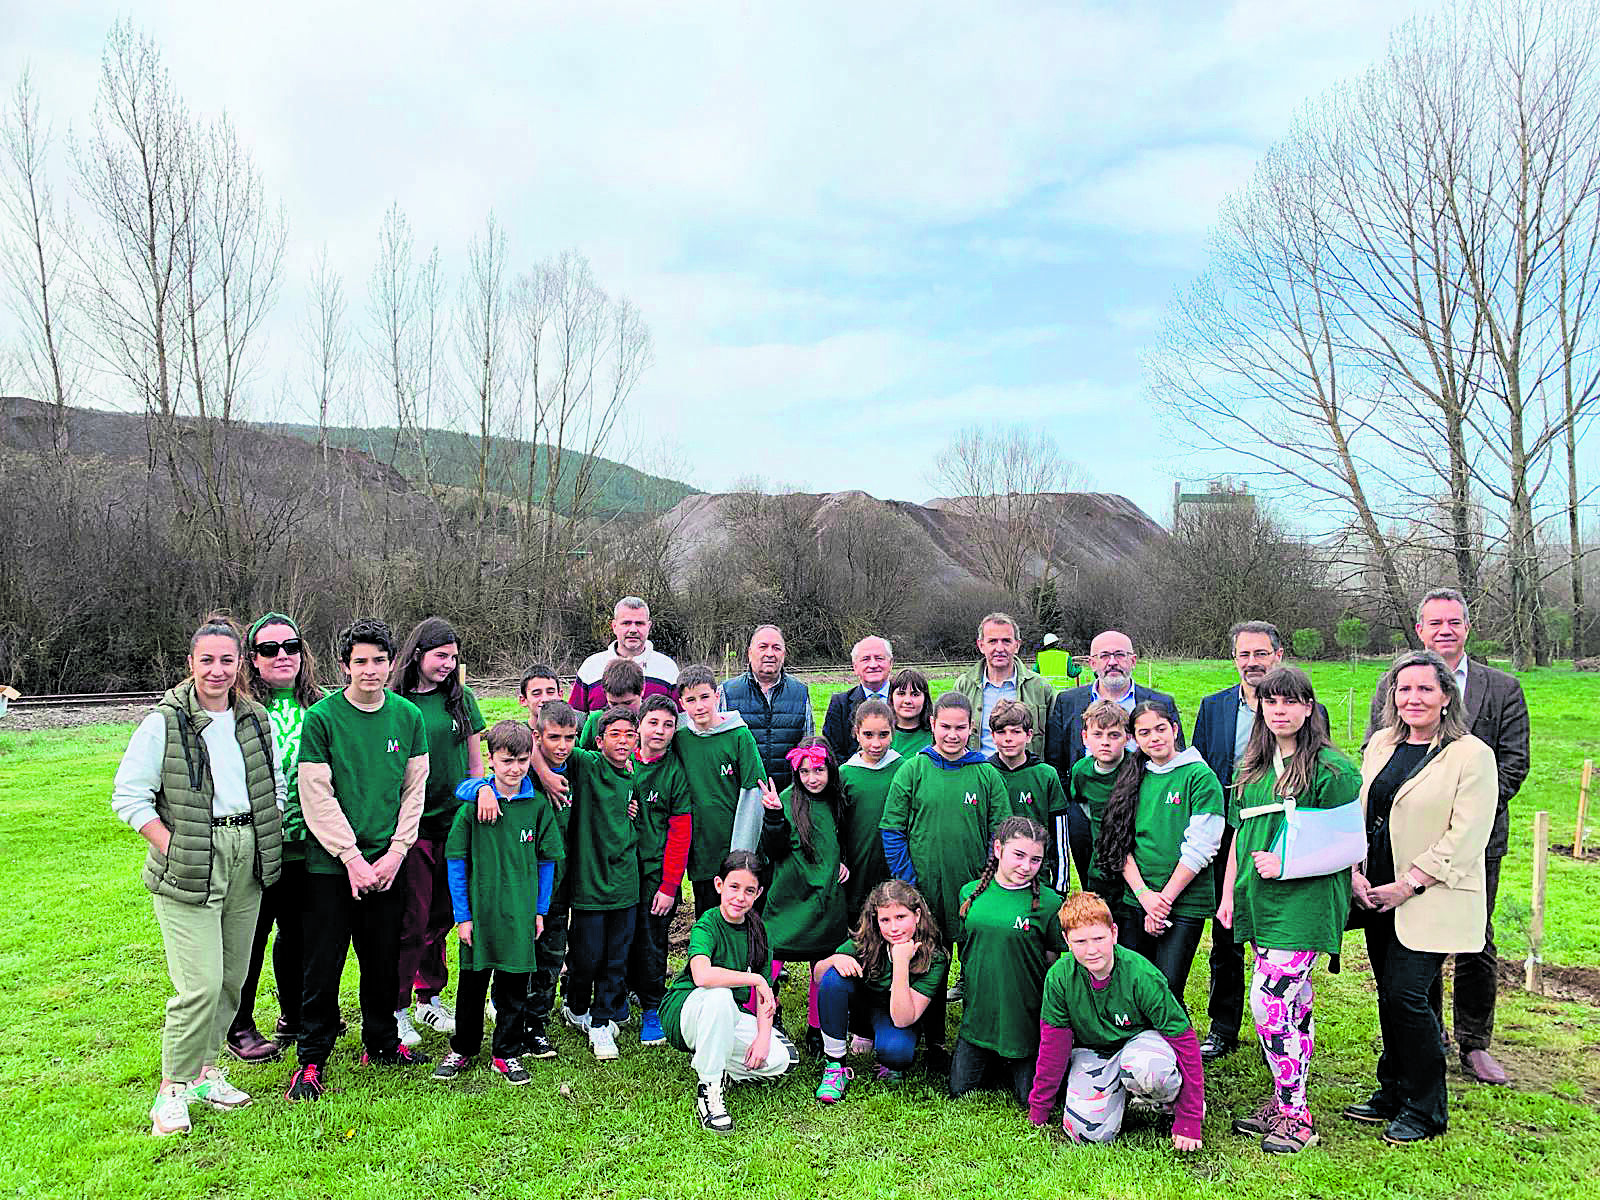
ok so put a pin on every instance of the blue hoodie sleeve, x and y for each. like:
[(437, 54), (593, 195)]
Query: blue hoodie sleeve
[(456, 873), (547, 884), (467, 789), (897, 850)]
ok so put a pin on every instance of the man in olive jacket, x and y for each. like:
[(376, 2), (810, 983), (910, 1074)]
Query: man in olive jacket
[(1496, 714), (1000, 675)]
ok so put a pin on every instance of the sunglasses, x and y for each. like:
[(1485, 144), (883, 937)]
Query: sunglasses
[(271, 649)]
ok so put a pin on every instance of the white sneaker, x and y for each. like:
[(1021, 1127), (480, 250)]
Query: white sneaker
[(603, 1041), (711, 1110), (436, 1016), (576, 1020), (214, 1089), (408, 1032), (170, 1113)]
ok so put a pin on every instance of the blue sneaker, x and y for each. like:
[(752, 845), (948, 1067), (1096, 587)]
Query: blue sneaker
[(650, 1031)]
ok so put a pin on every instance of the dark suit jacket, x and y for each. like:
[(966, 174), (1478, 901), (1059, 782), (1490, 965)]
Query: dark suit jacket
[(839, 726), (1497, 715), (1063, 732), (1213, 731)]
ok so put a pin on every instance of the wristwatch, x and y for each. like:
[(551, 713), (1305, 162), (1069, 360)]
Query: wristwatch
[(1416, 888)]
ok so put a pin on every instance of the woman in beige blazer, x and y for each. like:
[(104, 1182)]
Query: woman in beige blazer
[(1429, 792)]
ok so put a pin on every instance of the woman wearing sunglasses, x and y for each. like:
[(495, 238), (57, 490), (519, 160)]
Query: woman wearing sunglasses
[(278, 670)]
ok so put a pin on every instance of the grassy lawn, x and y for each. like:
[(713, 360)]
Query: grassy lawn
[(80, 1060)]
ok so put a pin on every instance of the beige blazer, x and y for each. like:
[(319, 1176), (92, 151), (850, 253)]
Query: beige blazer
[(1440, 824)]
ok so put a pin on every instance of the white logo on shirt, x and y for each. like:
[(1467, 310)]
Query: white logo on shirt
[(1022, 924), (394, 745)]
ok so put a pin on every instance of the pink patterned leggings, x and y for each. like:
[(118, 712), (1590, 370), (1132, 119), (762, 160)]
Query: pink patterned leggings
[(1280, 1003)]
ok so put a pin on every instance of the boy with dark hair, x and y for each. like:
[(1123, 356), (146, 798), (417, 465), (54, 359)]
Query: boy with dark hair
[(501, 876), (722, 765), (363, 773), (623, 682), (1105, 737), (665, 828), (555, 728), (603, 846), (539, 684), (1033, 786)]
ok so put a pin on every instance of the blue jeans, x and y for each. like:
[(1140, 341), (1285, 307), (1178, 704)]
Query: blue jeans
[(847, 1006)]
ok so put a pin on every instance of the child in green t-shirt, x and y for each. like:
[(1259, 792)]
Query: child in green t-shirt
[(878, 985), (1162, 827), (864, 783), (912, 702), (705, 1009), (1111, 1026), (1032, 784), (1288, 763), (501, 874), (1008, 938), (623, 683), (425, 673), (1089, 784), (665, 828)]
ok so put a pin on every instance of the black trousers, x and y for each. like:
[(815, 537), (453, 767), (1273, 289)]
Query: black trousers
[(1477, 978), (550, 951), (1225, 1001), (705, 896), (1172, 952), (647, 958), (333, 922), (1411, 1066), (597, 961), (280, 905), (935, 1016), (973, 1067), (511, 1006), (1080, 841)]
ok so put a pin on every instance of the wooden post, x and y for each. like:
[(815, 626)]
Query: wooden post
[(1583, 807), (1350, 716), (1541, 866)]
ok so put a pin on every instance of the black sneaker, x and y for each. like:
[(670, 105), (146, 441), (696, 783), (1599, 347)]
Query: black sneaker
[(813, 1042), (1216, 1046), (306, 1083), (400, 1056), (513, 1071), (1377, 1109), (711, 1110), (539, 1046), (451, 1065)]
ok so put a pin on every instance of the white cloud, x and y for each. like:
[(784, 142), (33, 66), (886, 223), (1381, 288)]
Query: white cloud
[(1169, 191)]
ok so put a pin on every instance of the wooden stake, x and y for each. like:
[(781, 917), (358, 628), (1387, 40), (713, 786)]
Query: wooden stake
[(1541, 867), (1350, 716), (1583, 807)]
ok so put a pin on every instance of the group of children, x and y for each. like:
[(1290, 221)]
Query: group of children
[(563, 854)]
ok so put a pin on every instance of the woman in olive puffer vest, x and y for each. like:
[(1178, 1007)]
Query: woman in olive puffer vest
[(201, 784)]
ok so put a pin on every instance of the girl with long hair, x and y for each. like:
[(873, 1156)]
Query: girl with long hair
[(864, 781), (912, 701)]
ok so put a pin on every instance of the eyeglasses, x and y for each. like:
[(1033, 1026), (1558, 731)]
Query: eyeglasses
[(1112, 656), (1255, 655), (272, 649)]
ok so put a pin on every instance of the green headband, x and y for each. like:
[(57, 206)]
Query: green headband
[(271, 618)]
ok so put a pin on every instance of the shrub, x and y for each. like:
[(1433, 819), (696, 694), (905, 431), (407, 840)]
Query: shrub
[(1352, 634), (1307, 643)]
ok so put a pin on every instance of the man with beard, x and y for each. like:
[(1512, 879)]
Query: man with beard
[(1112, 660), (774, 704), (1220, 732), (630, 624), (872, 659)]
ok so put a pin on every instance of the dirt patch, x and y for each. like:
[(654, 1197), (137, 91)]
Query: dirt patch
[(20, 719), (1578, 984), (1590, 853), (682, 923)]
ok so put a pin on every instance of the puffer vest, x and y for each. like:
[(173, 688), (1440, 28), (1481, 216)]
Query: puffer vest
[(183, 801), (776, 724)]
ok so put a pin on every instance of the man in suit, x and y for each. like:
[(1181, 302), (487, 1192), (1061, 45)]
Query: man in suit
[(1497, 714), (872, 659), (1221, 730), (1112, 660)]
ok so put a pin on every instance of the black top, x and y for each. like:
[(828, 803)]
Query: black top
[(1380, 800)]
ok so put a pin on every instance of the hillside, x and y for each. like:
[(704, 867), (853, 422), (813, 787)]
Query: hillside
[(1091, 529), (453, 462)]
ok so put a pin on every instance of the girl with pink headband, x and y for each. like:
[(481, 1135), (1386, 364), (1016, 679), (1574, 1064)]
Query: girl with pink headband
[(806, 917)]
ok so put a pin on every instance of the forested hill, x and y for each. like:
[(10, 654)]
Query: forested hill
[(453, 461)]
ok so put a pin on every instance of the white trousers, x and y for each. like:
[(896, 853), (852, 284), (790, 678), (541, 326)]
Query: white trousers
[(718, 1032)]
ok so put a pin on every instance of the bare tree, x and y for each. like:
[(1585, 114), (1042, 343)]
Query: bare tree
[(325, 338), (484, 347)]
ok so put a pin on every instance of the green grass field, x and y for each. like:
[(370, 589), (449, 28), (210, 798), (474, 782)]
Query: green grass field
[(79, 1055)]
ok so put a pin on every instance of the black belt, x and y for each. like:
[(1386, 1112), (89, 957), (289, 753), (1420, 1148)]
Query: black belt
[(236, 820)]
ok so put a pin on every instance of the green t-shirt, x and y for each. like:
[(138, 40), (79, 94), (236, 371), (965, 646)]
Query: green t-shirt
[(907, 742), (805, 913), (286, 719), (717, 766), (503, 878), (1134, 997), (1036, 793), (367, 754), (726, 946), (662, 793), (949, 815), (927, 982), (1090, 787), (602, 839), (860, 826), (1166, 804), (447, 758), (1290, 914), (1005, 944)]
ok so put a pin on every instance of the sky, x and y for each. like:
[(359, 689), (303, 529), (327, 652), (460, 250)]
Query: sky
[(852, 229)]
